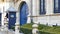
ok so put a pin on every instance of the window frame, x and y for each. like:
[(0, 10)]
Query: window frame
[(42, 7), (56, 6)]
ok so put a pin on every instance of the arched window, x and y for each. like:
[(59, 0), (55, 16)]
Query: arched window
[(42, 7), (56, 6)]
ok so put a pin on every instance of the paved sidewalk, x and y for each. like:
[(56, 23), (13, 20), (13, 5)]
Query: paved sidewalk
[(8, 32)]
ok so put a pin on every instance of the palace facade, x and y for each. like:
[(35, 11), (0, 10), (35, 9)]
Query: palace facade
[(25, 11)]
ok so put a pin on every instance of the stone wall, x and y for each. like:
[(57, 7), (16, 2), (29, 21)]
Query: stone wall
[(33, 9)]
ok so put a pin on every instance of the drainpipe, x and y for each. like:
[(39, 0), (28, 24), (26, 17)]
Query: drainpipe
[(31, 11)]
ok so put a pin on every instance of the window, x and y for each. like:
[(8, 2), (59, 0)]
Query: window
[(42, 7), (56, 6)]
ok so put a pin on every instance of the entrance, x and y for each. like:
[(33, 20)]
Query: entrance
[(23, 13)]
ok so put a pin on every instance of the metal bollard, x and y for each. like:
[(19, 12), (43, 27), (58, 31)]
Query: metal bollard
[(17, 28)]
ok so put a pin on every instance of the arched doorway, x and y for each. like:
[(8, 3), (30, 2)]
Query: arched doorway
[(23, 13)]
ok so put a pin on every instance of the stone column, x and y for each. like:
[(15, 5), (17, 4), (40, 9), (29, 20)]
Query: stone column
[(49, 6), (35, 9), (17, 24), (17, 17), (38, 7), (5, 6), (4, 23), (17, 28), (2, 16)]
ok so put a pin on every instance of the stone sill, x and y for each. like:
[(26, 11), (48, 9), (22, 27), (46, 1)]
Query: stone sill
[(46, 15)]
